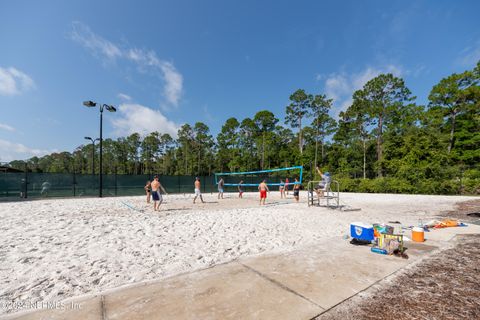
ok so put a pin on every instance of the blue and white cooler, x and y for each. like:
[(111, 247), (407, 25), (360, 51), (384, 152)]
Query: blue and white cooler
[(361, 231)]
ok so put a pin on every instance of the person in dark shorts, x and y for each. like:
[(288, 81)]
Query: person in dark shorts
[(155, 198), (156, 195), (296, 190), (148, 190)]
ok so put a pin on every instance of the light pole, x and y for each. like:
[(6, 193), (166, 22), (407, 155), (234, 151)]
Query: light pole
[(93, 153), (91, 104)]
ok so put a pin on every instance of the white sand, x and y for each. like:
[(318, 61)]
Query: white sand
[(59, 248)]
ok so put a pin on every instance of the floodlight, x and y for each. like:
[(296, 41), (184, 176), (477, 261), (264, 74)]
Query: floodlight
[(110, 108), (89, 103)]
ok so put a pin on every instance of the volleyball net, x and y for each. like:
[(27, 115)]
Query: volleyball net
[(273, 177)]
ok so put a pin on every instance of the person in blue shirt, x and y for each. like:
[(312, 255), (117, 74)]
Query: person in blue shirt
[(324, 184)]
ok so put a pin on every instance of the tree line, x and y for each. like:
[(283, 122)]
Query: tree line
[(383, 142)]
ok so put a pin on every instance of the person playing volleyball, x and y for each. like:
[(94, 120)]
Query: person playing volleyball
[(221, 185), (156, 195), (148, 190), (240, 189), (296, 190), (281, 188), (263, 188), (198, 193)]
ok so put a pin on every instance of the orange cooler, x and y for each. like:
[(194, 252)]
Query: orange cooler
[(418, 235)]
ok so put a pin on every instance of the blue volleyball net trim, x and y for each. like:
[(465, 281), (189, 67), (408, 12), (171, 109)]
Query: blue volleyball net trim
[(253, 178)]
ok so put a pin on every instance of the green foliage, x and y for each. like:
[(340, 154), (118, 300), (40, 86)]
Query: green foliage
[(382, 105), (454, 106), (228, 152), (296, 111), (324, 125)]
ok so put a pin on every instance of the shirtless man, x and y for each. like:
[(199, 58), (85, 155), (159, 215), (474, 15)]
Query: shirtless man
[(263, 188), (197, 190), (156, 195)]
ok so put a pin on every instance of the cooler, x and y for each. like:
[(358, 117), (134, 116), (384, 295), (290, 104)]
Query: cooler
[(361, 231)]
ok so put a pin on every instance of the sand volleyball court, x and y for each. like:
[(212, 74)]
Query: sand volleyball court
[(55, 249)]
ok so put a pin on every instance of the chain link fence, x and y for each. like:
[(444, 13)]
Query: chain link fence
[(21, 185)]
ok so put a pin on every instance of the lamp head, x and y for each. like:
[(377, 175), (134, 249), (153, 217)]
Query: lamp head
[(88, 138), (89, 103), (110, 108)]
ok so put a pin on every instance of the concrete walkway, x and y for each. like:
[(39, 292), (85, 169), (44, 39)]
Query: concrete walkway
[(299, 284)]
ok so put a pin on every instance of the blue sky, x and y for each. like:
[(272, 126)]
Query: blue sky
[(168, 63)]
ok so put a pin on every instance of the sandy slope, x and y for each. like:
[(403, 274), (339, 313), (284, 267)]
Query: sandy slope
[(58, 248)]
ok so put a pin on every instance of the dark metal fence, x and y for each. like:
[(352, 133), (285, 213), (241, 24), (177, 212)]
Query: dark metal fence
[(16, 186)]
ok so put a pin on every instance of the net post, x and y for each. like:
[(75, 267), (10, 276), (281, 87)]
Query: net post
[(26, 180), (115, 172), (74, 182)]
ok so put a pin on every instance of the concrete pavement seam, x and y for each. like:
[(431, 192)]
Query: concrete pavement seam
[(104, 309), (281, 285)]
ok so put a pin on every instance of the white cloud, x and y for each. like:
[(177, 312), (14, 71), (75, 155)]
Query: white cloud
[(6, 127), (143, 120), (16, 151), (14, 81), (173, 79), (174, 82), (470, 55), (341, 86), (124, 97), (96, 44), (337, 86), (145, 60)]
